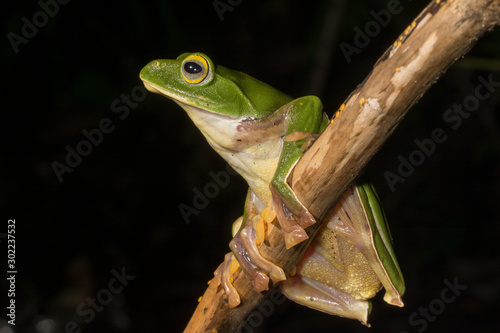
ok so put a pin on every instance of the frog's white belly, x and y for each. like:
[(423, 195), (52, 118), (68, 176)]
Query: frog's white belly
[(253, 156), (257, 164)]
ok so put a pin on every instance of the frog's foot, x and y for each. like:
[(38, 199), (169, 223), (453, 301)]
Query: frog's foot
[(293, 221), (321, 297), (225, 273), (257, 268), (348, 220)]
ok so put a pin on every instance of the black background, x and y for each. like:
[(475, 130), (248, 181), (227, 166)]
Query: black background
[(118, 208)]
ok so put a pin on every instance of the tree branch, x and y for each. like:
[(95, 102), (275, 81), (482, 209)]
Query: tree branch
[(440, 35)]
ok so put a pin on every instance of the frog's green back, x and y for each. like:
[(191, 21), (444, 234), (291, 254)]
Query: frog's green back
[(263, 98)]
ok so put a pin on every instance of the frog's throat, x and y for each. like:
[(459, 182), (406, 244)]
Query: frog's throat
[(255, 161)]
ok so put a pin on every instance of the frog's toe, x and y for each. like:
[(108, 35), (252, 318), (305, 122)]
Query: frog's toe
[(249, 241), (295, 236), (292, 221), (259, 279), (226, 271)]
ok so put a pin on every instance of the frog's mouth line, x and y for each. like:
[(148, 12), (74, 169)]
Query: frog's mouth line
[(183, 102), (158, 90)]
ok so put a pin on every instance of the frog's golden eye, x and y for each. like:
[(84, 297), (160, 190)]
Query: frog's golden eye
[(195, 69)]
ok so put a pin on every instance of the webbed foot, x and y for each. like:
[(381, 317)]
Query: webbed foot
[(324, 298), (257, 268), (349, 260)]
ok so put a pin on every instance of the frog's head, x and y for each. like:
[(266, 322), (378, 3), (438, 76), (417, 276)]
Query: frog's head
[(197, 85)]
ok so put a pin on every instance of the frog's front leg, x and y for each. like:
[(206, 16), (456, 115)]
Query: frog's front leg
[(305, 120)]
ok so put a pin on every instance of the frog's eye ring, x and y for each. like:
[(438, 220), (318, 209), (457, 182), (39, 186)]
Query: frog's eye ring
[(195, 69)]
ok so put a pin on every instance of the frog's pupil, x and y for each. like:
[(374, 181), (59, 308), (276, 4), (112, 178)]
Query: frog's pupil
[(192, 67)]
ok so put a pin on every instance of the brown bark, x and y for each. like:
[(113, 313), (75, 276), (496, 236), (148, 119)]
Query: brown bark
[(440, 35)]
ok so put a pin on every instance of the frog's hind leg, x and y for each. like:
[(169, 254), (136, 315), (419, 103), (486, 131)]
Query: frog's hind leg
[(249, 232), (322, 297), (226, 271), (245, 248)]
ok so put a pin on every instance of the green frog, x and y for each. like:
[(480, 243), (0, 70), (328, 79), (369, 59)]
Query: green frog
[(262, 132)]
